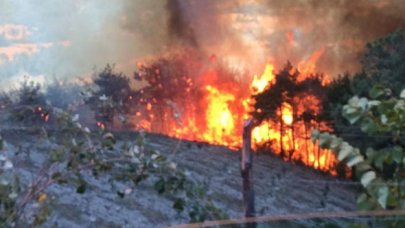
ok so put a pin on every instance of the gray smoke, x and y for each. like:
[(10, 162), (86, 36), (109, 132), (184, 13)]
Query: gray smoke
[(246, 33)]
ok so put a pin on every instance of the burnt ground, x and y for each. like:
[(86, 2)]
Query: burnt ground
[(281, 187)]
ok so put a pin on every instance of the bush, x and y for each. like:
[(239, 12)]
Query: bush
[(30, 106)]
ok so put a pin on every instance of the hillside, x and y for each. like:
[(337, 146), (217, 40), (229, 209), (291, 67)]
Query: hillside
[(281, 187)]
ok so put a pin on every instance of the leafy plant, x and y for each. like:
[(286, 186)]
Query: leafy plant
[(381, 171), (80, 150)]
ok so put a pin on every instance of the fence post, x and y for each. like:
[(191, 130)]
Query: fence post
[(246, 171)]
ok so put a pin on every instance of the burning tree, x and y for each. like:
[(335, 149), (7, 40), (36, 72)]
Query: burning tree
[(286, 111), (168, 88), (191, 98)]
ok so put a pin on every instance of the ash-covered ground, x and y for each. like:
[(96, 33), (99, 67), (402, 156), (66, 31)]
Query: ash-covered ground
[(280, 187)]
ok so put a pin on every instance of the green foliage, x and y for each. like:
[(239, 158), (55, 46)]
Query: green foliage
[(382, 64), (380, 171), (384, 61), (113, 95), (30, 106)]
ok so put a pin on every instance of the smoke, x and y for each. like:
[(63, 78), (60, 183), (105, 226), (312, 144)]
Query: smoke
[(342, 27), (250, 33), (245, 33), (178, 26)]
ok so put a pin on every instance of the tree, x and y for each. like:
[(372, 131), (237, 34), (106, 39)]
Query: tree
[(269, 103), (384, 61), (113, 95), (294, 97), (31, 105), (380, 170), (62, 94), (169, 86)]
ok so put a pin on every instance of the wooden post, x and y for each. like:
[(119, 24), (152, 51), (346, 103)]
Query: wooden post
[(246, 171)]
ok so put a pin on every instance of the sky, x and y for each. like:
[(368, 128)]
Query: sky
[(47, 39)]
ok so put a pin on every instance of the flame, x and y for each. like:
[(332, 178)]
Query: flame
[(287, 115), (260, 83), (213, 111), (220, 121), (287, 140)]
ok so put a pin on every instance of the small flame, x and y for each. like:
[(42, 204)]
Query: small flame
[(101, 125), (287, 115), (260, 83)]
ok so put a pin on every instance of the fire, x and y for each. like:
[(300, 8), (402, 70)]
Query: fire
[(260, 83), (287, 115), (307, 67), (213, 110), (294, 139), (220, 121)]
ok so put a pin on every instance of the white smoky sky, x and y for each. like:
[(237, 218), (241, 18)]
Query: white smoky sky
[(63, 38), (66, 39)]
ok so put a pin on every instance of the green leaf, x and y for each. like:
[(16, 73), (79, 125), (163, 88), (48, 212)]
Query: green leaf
[(354, 101), (377, 91), (383, 119), (82, 186), (402, 95), (1, 143), (373, 103), (120, 194), (363, 102), (383, 196), (368, 125), (364, 203), (397, 154), (345, 150), (367, 178), (324, 140), (379, 161), (355, 160), (371, 153), (160, 186), (179, 205), (59, 178), (335, 143), (351, 114), (57, 155), (362, 167)]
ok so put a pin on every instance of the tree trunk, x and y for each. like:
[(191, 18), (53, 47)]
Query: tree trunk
[(281, 133), (292, 151), (306, 142)]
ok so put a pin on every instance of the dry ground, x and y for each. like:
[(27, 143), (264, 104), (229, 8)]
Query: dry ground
[(281, 187)]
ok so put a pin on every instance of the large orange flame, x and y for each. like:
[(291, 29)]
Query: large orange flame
[(218, 115), (220, 121)]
